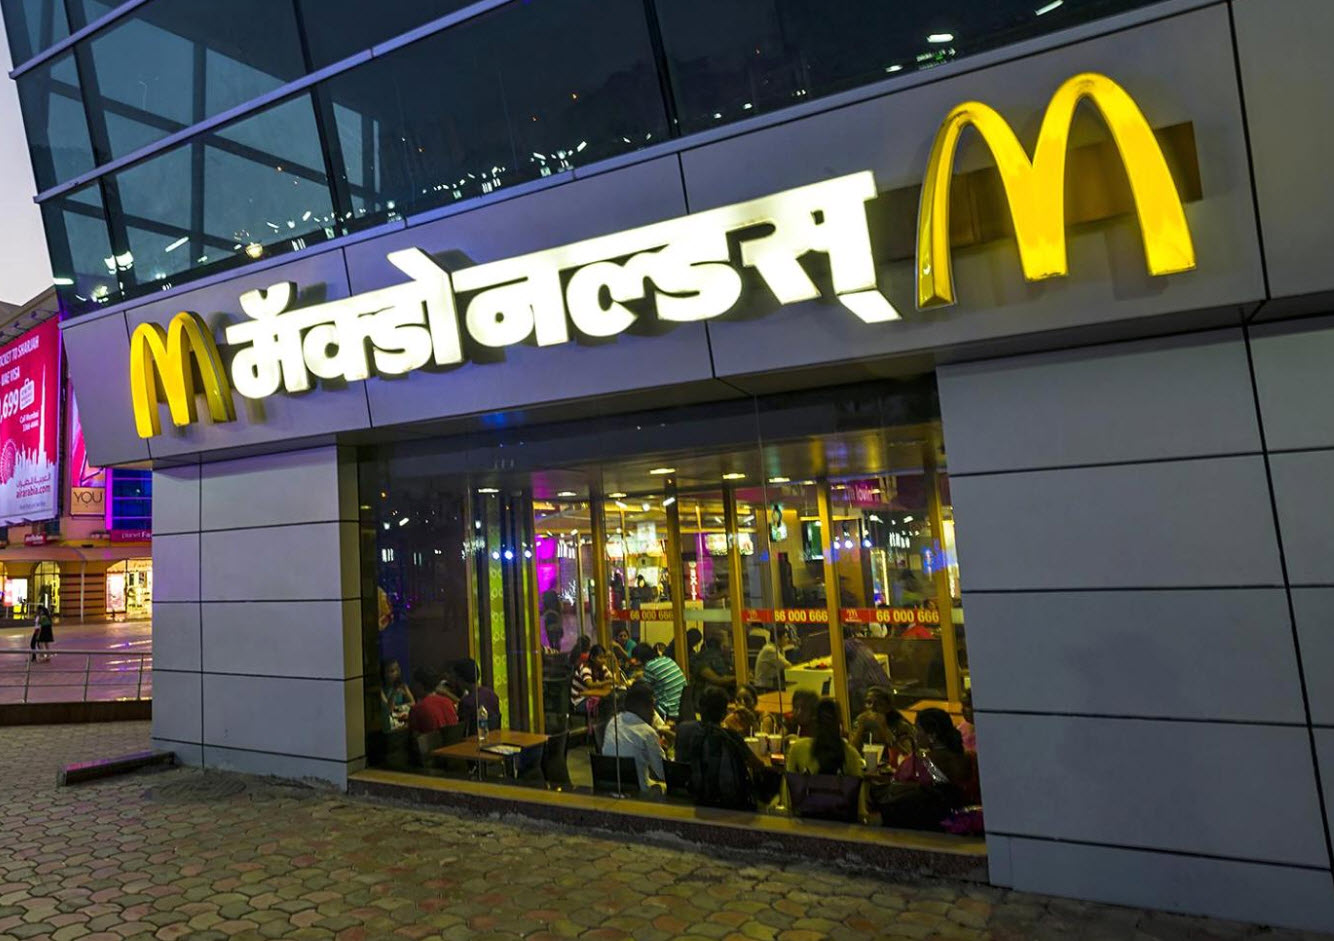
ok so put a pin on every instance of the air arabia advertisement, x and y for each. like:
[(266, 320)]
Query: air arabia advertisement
[(30, 426)]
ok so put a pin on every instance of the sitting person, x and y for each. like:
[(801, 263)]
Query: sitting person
[(770, 664), (630, 734), (663, 675), (579, 652), (591, 681), (826, 751), (937, 780), (711, 666), (800, 719), (722, 768), (435, 709), (743, 715), (395, 696), (475, 696), (693, 637), (864, 670), (881, 724), (623, 645)]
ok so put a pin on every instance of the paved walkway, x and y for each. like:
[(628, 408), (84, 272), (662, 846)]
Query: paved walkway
[(112, 674), (183, 854)]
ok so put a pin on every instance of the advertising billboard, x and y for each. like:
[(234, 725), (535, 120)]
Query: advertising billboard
[(30, 426), (87, 482)]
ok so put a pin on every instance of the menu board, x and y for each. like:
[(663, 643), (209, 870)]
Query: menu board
[(30, 426)]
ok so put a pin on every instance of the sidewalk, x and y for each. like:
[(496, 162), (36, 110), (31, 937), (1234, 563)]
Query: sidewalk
[(184, 854), (113, 674)]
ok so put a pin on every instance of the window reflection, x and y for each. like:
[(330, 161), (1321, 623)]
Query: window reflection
[(53, 116), (336, 29), (250, 190), (744, 624), (33, 25), (519, 94), (83, 266)]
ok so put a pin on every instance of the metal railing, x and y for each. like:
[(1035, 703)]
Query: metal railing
[(108, 675)]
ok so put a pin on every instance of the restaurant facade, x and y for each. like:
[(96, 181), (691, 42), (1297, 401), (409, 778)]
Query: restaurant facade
[(973, 351)]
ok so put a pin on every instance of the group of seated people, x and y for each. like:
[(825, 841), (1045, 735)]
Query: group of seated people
[(919, 775), (453, 696)]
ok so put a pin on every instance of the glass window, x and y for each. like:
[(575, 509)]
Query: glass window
[(56, 125), (131, 499), (33, 25), (174, 63), (250, 189), (82, 263), (513, 96), (336, 29), (729, 59), (780, 554)]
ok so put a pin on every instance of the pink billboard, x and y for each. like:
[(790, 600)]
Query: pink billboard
[(87, 482), (30, 426)]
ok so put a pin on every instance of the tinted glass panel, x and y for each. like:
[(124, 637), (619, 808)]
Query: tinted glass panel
[(82, 263), (733, 58), (176, 62), (523, 93), (256, 188), (336, 29), (54, 118), (33, 25)]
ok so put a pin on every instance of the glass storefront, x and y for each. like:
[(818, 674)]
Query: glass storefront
[(775, 574), (130, 589)]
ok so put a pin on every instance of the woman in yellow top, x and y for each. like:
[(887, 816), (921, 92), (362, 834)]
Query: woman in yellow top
[(826, 751)]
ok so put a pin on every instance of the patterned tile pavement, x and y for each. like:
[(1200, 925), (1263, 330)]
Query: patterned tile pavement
[(186, 854)]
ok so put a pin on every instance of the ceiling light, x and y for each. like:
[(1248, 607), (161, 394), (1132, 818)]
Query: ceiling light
[(1048, 7), (940, 37), (780, 480), (669, 501), (734, 475), (567, 493), (662, 471), (907, 519), (487, 490), (616, 496)]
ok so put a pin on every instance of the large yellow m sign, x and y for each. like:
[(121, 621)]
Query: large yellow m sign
[(163, 359), (1036, 189)]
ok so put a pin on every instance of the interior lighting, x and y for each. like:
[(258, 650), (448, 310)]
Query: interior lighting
[(662, 471), (668, 502), (62, 282), (495, 555), (866, 543), (621, 506), (616, 496), (177, 244), (907, 519), (404, 521), (645, 507), (528, 553), (780, 480), (487, 490), (567, 493), (940, 37), (1048, 8), (254, 249), (894, 68), (734, 475), (509, 555)]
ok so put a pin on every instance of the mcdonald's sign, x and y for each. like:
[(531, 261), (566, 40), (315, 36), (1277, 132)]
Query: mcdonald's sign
[(682, 270), (1035, 189), (167, 360)]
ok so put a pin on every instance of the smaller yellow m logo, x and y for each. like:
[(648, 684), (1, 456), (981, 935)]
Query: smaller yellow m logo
[(162, 357), (1036, 190)]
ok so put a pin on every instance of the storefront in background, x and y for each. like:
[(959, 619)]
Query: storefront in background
[(962, 326)]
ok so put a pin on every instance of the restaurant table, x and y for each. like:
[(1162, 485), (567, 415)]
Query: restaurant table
[(818, 677), (471, 749), (775, 703)]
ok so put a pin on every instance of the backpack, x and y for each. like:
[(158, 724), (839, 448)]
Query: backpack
[(719, 775)]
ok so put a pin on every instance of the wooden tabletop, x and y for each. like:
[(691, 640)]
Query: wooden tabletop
[(472, 750)]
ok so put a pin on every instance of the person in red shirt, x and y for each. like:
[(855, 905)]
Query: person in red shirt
[(433, 711)]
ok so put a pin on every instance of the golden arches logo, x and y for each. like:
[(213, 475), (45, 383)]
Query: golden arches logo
[(1035, 189), (162, 359)]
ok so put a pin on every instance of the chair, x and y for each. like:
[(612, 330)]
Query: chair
[(678, 778), (612, 775), (423, 745), (824, 796), (554, 769), (451, 735)]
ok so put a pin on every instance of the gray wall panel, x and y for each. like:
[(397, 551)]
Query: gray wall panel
[(1314, 611), (1251, 892), (1174, 70), (176, 635), (280, 563), (1293, 377), (1107, 781), (176, 567), (302, 718), (279, 417), (528, 374), (178, 715), (176, 500), (296, 487), (316, 639), (1288, 79), (291, 767), (98, 354), (1188, 654), (1306, 514), (1177, 524), (1180, 397)]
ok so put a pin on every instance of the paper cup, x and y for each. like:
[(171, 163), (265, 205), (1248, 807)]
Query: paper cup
[(754, 744), (873, 754)]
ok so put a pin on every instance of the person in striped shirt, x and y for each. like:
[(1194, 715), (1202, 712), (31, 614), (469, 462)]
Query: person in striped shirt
[(664, 675)]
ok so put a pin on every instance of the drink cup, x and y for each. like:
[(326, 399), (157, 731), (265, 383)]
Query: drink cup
[(753, 743), (873, 754)]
